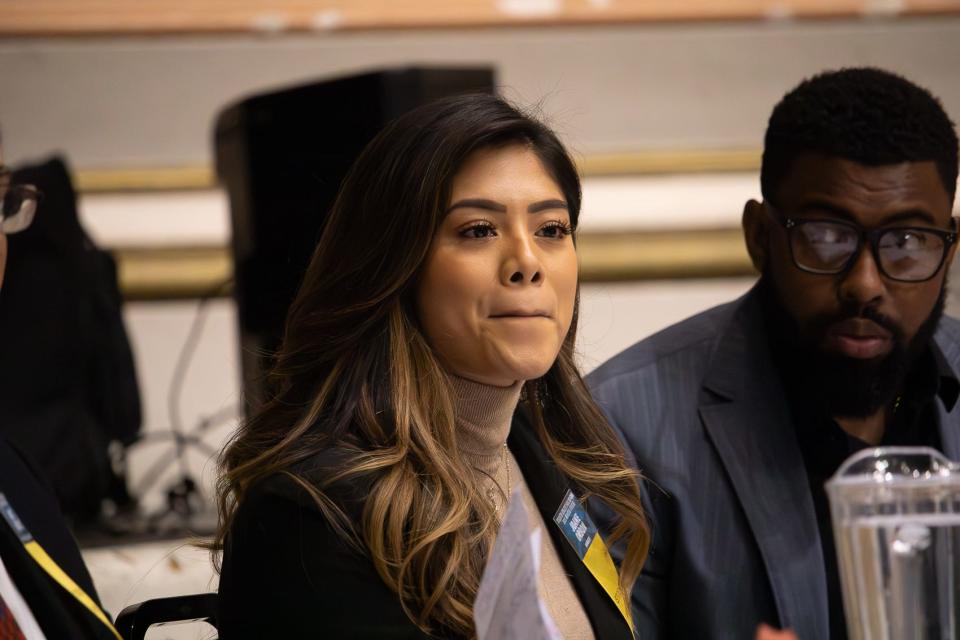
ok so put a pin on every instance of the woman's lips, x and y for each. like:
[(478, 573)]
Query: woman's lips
[(520, 313), (859, 338)]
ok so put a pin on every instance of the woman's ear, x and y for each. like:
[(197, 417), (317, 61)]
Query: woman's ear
[(756, 233)]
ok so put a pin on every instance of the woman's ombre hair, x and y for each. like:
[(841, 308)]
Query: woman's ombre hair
[(355, 373)]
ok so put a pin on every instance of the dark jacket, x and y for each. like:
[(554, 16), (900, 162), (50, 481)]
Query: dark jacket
[(287, 574), (58, 613), (67, 380), (735, 540)]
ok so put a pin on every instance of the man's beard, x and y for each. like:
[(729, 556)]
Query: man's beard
[(836, 385)]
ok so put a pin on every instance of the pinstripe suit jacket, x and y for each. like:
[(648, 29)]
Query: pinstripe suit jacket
[(701, 407)]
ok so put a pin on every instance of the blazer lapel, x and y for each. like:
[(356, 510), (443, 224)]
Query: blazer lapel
[(949, 421), (949, 426), (747, 417), (548, 487)]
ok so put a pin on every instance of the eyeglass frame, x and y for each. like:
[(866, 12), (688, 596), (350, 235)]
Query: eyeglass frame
[(872, 236), (36, 195)]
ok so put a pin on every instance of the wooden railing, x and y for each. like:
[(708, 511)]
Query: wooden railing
[(89, 17)]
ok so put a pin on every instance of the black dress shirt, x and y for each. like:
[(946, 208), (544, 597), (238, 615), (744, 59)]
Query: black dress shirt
[(825, 446)]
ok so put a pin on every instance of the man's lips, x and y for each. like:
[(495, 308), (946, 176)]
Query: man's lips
[(859, 338)]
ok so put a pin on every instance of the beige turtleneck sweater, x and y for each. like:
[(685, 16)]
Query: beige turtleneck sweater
[(484, 414)]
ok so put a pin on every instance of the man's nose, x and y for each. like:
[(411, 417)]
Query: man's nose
[(863, 284)]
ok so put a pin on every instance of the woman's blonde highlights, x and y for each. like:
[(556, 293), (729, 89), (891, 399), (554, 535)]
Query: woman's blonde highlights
[(356, 375)]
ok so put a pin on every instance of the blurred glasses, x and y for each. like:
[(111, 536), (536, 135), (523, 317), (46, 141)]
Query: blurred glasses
[(19, 204), (906, 254)]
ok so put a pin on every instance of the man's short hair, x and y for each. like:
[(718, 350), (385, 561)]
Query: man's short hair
[(870, 116)]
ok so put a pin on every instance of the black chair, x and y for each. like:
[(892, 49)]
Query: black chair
[(133, 621)]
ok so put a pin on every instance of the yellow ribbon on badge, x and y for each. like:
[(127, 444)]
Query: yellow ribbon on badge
[(598, 561), (43, 559)]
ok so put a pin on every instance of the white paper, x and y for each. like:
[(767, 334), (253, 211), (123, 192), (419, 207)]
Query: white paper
[(508, 604)]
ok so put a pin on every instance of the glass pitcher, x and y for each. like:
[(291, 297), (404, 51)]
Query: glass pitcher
[(896, 521)]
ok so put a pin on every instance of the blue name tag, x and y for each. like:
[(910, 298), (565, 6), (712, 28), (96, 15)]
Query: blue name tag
[(576, 525), (581, 533)]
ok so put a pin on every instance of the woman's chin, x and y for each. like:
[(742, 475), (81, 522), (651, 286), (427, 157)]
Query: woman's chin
[(504, 377), (502, 367), (523, 371)]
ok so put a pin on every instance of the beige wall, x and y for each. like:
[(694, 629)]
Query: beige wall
[(151, 101)]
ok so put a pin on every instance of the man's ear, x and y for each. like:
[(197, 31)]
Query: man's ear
[(756, 233)]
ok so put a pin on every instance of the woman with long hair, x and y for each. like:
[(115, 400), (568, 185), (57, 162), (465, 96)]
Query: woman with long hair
[(427, 373)]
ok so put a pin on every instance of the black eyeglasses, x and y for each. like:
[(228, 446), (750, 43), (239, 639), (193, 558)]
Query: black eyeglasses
[(829, 247), (18, 205)]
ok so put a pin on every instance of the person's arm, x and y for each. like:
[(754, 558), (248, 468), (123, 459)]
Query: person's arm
[(287, 573), (650, 595)]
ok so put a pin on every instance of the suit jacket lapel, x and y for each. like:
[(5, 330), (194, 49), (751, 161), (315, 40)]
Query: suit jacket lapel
[(746, 414), (548, 487), (949, 421), (949, 426)]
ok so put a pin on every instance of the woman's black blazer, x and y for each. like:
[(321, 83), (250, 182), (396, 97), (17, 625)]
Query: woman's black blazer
[(287, 574)]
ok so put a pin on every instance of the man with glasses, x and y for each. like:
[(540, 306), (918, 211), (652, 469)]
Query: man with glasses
[(738, 416), (45, 588)]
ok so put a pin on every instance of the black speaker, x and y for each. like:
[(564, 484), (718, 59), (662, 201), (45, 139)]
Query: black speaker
[(281, 157)]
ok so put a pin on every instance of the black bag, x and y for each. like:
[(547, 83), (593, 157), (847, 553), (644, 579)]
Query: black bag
[(68, 386)]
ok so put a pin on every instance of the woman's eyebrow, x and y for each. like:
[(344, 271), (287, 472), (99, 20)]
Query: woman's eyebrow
[(492, 205), (478, 203), (544, 205)]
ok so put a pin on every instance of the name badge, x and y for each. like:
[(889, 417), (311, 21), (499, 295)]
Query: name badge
[(582, 534)]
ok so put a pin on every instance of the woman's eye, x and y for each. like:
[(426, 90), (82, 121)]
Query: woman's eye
[(555, 229), (478, 231)]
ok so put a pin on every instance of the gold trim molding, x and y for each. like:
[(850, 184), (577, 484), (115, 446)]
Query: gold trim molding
[(147, 179), (173, 273), (599, 164), (188, 272), (676, 161), (191, 272), (657, 255)]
